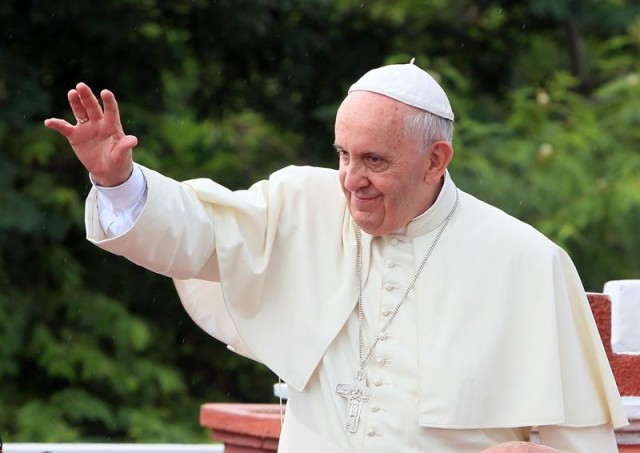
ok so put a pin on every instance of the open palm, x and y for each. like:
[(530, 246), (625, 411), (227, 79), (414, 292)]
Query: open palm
[(97, 138)]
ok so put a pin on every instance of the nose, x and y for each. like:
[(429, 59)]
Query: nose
[(355, 176)]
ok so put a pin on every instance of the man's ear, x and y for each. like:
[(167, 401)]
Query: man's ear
[(439, 154)]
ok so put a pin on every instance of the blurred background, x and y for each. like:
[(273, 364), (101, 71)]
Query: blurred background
[(547, 101)]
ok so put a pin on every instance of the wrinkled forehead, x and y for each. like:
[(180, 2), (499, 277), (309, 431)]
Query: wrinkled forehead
[(378, 109), (373, 122)]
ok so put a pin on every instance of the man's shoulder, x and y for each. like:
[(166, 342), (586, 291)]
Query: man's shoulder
[(488, 221), (493, 235), (307, 188), (306, 181), (305, 173)]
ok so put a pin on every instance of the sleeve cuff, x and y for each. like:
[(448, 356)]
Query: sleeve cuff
[(125, 196)]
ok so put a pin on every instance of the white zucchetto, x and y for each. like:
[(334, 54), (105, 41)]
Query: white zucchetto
[(408, 84)]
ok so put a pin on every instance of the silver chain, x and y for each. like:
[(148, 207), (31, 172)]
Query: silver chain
[(395, 309)]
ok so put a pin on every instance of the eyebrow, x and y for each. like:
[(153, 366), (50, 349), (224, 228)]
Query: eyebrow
[(363, 154)]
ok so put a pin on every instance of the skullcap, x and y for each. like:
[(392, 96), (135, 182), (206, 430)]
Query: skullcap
[(408, 84)]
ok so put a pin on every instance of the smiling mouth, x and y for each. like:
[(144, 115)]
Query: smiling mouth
[(358, 194), (360, 200)]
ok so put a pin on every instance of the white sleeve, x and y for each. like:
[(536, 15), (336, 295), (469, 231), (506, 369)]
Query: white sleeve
[(600, 438), (120, 206)]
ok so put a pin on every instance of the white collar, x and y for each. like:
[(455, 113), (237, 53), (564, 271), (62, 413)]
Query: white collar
[(435, 215)]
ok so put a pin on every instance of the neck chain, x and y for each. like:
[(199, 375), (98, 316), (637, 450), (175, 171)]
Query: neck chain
[(358, 392)]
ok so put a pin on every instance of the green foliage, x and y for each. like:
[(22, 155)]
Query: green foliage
[(94, 348)]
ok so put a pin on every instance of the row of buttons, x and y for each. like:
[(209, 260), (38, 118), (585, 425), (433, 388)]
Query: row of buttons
[(382, 336), (381, 361)]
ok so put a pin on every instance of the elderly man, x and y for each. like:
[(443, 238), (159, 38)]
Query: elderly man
[(404, 314)]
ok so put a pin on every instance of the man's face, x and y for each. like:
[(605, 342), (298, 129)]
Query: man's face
[(382, 170)]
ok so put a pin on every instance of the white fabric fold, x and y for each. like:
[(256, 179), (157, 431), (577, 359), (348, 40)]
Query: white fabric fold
[(121, 205)]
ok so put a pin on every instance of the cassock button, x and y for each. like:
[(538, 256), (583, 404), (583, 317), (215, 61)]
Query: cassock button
[(381, 360), (377, 382), (388, 286), (394, 241), (375, 408), (382, 336), (371, 432), (389, 263), (386, 311)]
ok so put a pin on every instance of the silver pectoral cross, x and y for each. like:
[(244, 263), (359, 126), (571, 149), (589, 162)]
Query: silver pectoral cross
[(356, 394)]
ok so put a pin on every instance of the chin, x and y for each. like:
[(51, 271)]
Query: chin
[(370, 226), (364, 226), (372, 230)]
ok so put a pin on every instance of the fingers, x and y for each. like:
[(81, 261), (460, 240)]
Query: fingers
[(88, 102), (111, 112), (59, 125), (77, 107), (86, 108), (85, 105)]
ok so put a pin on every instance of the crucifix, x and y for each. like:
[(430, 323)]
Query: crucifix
[(356, 394)]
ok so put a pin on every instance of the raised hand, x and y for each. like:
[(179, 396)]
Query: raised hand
[(97, 138)]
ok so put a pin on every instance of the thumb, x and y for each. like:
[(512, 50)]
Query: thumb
[(122, 150), (126, 143)]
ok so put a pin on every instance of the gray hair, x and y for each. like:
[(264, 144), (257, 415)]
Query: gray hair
[(428, 127)]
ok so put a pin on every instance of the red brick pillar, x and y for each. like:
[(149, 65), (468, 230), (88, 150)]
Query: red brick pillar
[(626, 370)]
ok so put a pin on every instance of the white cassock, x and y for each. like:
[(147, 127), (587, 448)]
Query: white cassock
[(496, 337)]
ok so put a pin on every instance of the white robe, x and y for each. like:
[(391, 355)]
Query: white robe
[(505, 336)]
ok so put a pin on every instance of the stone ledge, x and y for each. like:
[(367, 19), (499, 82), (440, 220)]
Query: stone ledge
[(628, 437), (244, 428)]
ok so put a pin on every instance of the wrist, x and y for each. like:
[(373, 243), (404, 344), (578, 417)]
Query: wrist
[(112, 180)]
